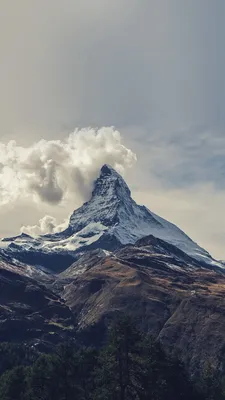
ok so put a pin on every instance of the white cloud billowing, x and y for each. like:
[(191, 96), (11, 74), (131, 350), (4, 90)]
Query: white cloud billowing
[(54, 174), (54, 171), (47, 224)]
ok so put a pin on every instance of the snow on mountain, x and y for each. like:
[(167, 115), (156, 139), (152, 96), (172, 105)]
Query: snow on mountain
[(110, 219)]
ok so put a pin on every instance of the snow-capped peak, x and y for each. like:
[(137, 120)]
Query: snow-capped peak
[(110, 219), (110, 193), (111, 212)]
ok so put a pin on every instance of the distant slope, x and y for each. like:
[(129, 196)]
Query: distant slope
[(29, 311)]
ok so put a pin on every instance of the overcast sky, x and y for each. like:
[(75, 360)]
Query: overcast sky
[(153, 69)]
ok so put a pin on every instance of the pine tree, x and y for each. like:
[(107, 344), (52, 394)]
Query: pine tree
[(43, 381), (13, 384), (116, 376)]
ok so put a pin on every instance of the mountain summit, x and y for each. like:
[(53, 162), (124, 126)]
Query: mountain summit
[(109, 183), (109, 194), (109, 220)]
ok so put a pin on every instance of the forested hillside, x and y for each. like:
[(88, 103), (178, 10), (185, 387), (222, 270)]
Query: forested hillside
[(130, 366)]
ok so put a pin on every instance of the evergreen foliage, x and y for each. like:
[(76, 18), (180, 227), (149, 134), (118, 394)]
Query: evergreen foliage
[(131, 366)]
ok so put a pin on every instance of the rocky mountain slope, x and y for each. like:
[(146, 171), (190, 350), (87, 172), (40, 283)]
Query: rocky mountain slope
[(29, 311), (168, 293), (109, 220)]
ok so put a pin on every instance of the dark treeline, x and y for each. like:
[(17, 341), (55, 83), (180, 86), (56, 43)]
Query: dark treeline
[(130, 366)]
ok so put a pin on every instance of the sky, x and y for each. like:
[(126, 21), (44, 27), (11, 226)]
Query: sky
[(139, 84)]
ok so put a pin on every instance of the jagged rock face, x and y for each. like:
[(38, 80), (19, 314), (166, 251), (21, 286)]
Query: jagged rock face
[(109, 195), (109, 220)]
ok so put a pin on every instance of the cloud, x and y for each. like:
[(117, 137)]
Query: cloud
[(53, 171), (46, 225), (182, 158)]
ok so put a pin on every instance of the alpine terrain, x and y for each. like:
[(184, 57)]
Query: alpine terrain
[(114, 257)]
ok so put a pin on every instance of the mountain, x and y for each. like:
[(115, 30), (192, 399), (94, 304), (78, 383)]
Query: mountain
[(114, 257), (109, 220), (168, 293)]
